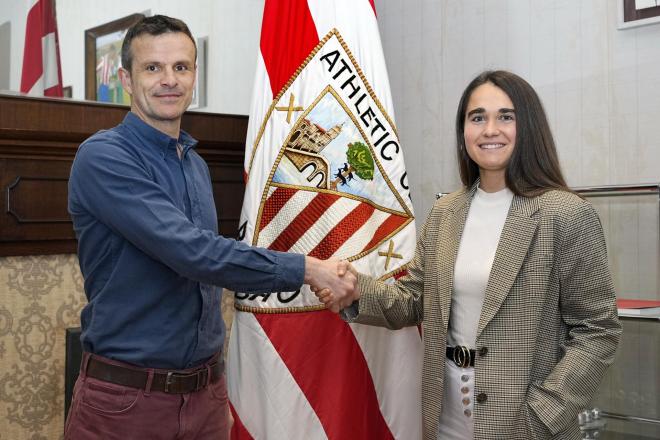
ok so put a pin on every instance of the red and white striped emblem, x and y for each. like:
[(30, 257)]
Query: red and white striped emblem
[(324, 225), (325, 177)]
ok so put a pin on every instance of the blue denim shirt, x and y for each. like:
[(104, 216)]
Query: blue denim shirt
[(150, 253)]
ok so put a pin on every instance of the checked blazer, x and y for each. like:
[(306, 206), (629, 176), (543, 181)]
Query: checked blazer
[(548, 323)]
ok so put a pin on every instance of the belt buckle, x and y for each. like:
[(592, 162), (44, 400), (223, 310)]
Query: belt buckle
[(461, 356), (171, 375), (168, 381), (201, 379)]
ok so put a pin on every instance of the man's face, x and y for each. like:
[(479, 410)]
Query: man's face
[(162, 78)]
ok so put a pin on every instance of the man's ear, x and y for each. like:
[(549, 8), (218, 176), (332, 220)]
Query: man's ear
[(125, 77)]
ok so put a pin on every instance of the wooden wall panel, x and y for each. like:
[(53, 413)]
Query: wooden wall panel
[(38, 141)]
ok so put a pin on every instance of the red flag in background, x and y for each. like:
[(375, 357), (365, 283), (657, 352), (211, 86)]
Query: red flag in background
[(41, 74)]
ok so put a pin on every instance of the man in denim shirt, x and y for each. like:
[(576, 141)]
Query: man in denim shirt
[(142, 207)]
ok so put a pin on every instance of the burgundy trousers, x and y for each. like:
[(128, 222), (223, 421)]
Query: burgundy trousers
[(104, 410)]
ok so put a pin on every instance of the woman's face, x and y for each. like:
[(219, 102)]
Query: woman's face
[(490, 132)]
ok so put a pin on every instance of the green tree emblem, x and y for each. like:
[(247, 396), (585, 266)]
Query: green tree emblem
[(359, 161)]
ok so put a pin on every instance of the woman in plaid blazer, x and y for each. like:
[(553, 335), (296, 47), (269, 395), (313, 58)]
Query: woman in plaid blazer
[(513, 269)]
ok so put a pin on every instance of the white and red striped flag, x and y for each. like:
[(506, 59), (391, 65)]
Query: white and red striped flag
[(325, 177), (41, 75)]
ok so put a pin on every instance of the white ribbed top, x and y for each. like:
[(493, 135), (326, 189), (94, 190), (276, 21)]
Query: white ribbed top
[(474, 261)]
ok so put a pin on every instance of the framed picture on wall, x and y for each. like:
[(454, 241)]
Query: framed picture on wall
[(633, 13), (199, 92), (103, 60)]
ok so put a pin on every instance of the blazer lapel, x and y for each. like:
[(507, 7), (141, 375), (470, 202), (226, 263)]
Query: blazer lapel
[(515, 240), (449, 237)]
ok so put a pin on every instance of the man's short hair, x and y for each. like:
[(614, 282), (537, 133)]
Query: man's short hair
[(156, 25)]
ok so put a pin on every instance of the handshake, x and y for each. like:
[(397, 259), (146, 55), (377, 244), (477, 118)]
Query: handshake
[(333, 281)]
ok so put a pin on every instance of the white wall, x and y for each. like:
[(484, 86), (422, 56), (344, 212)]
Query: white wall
[(232, 26), (14, 12)]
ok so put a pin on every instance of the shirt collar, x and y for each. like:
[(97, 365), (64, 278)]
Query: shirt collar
[(155, 137)]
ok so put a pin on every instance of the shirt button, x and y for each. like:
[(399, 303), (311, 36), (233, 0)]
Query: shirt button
[(467, 413), (465, 390), (482, 397), (466, 401), (465, 378), (483, 351)]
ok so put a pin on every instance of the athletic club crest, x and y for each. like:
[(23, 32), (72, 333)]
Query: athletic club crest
[(327, 177)]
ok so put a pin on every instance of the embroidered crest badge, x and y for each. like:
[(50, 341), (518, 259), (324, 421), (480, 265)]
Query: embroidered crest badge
[(335, 185)]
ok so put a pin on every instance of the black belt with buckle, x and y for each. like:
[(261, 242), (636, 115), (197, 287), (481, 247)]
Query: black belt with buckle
[(461, 355), (173, 382)]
